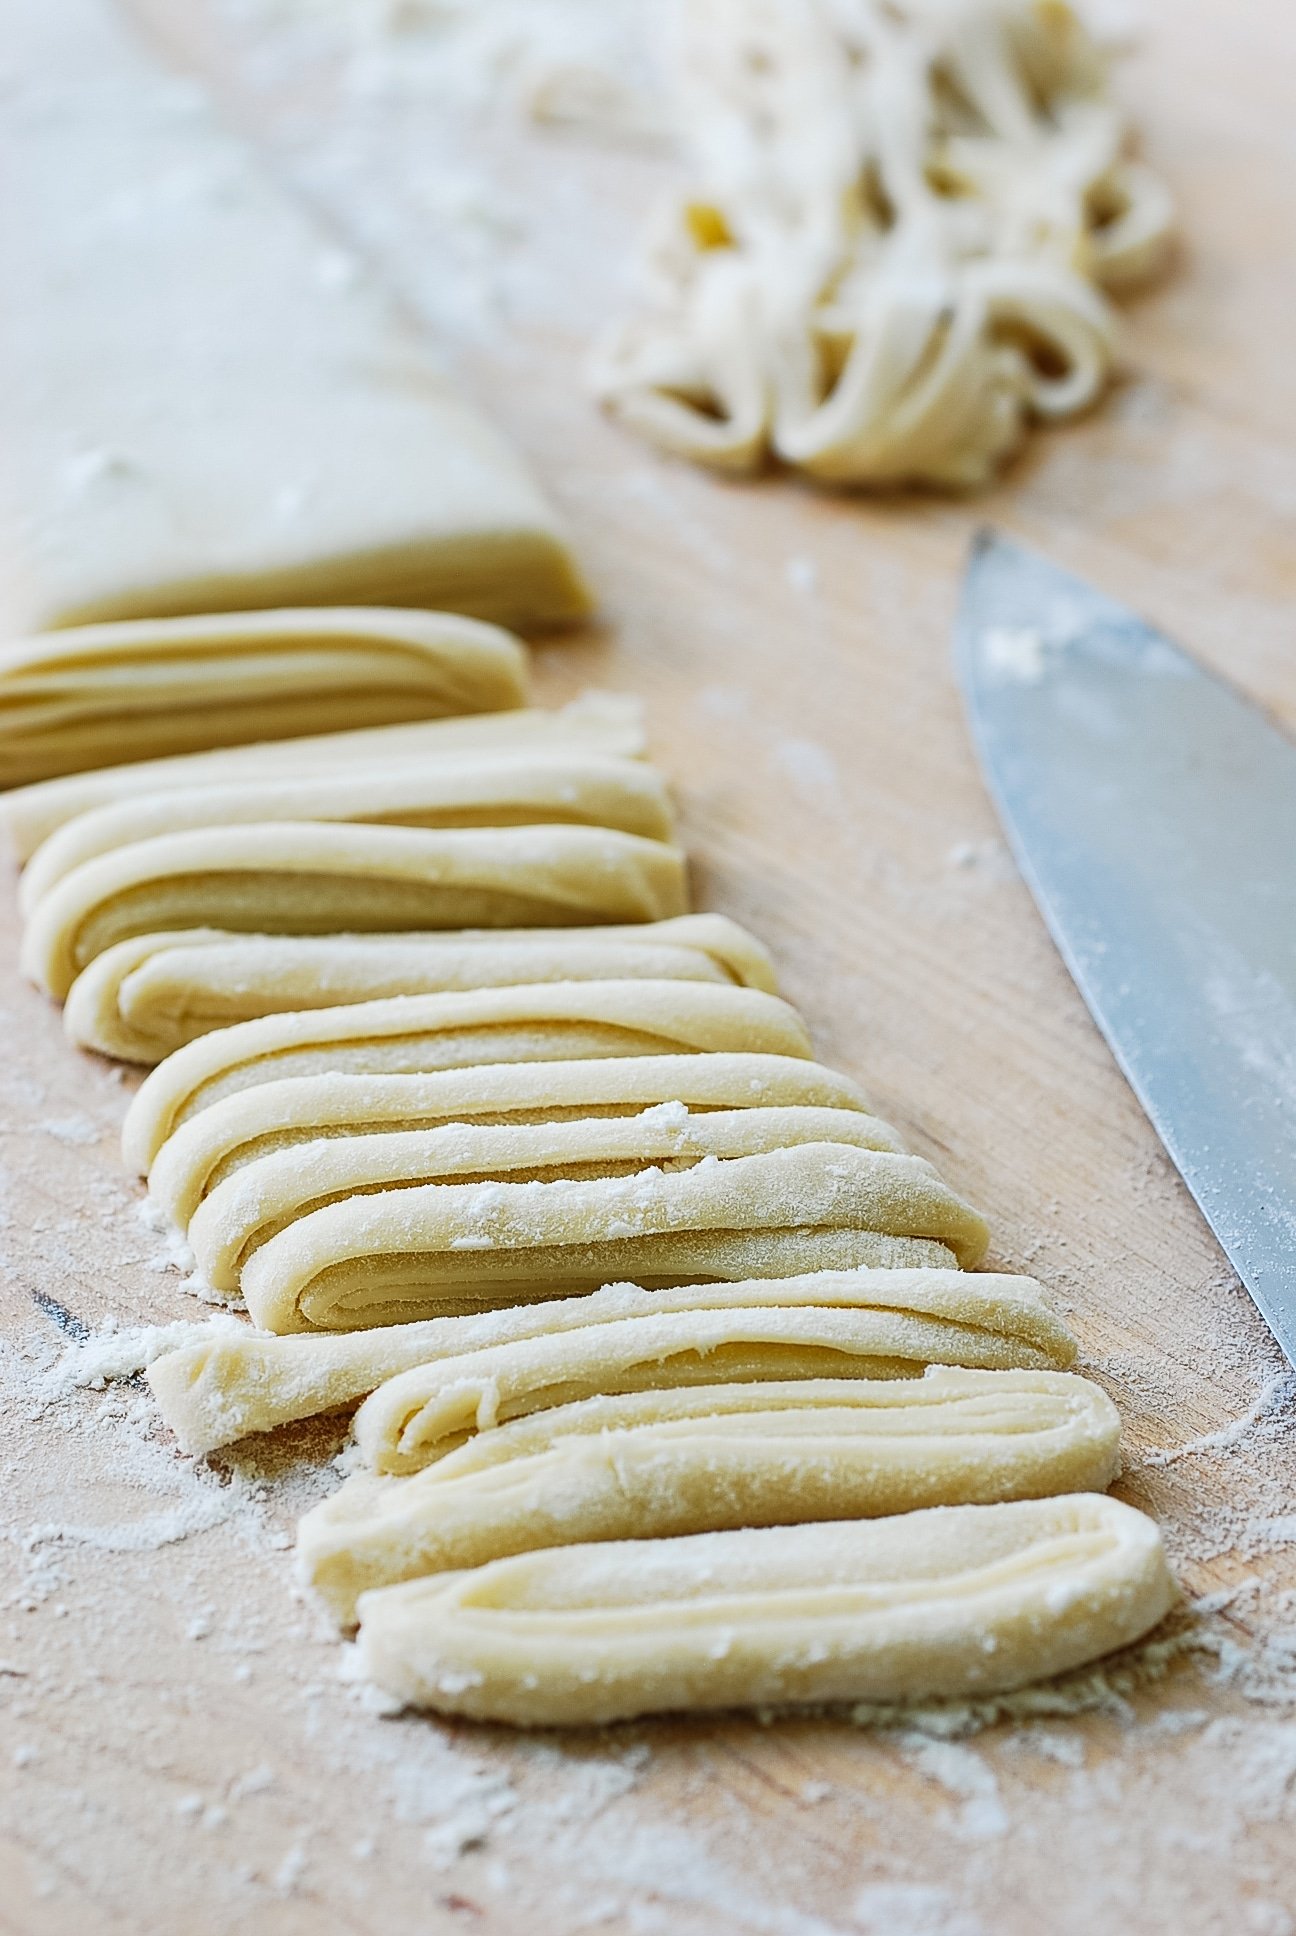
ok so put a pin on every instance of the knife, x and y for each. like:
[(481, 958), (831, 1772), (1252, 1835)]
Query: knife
[(1152, 811)]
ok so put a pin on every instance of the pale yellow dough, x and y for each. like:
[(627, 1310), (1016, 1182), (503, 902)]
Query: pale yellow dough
[(598, 722), (421, 1414), (266, 1196), (143, 999), (671, 1462), (437, 1249), (208, 405), (98, 695), (875, 1323), (296, 877), (955, 1602), (419, 1034), (482, 789), (276, 1115), (892, 253)]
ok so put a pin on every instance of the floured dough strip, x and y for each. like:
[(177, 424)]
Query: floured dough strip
[(425, 1412), (484, 790), (275, 1115), (97, 695), (295, 877), (264, 1197), (598, 722), (667, 1463), (143, 999), (417, 1034), (437, 1249), (872, 1322), (208, 406), (948, 1603)]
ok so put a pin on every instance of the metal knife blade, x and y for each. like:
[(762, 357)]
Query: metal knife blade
[(1152, 811)]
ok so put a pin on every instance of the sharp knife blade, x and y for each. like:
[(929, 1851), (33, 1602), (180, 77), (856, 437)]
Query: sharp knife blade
[(1152, 811)]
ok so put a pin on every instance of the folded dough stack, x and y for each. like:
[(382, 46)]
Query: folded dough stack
[(484, 1130), (598, 722), (673, 1461), (544, 821), (100, 695), (142, 999)]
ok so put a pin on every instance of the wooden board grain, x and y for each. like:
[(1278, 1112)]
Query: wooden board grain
[(179, 1752)]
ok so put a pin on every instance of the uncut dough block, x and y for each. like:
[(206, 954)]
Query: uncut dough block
[(274, 1115), (433, 1250), (264, 1197), (598, 722), (98, 695), (418, 1415), (239, 1380), (419, 1034), (669, 1463), (301, 877), (485, 790), (143, 999), (952, 1602), (207, 406)]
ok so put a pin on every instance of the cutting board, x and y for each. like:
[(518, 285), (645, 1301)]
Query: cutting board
[(182, 1750)]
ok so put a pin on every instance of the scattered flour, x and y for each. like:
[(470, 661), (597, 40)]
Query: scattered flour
[(118, 1351), (966, 1775)]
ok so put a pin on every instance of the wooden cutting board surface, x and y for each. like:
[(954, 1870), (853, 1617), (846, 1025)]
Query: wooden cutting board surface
[(178, 1750)]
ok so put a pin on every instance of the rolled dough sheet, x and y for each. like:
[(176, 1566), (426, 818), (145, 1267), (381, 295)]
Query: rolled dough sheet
[(206, 407)]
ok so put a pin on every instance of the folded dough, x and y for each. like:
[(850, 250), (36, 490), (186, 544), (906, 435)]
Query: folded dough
[(296, 877), (143, 999), (478, 790), (419, 1415), (97, 695), (207, 405), (239, 1380), (436, 1249), (264, 1197), (418, 1034), (241, 1127), (658, 1464), (597, 722), (954, 1602)]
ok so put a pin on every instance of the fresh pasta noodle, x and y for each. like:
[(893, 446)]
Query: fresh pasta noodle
[(481, 790), (297, 877), (265, 1197), (666, 1463), (417, 1034), (952, 1602), (731, 1338), (238, 1380), (598, 722), (96, 695), (201, 1151), (143, 999), (436, 1249), (892, 256)]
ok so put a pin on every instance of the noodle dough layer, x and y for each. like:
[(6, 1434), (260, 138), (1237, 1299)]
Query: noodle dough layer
[(669, 1462), (419, 1034), (947, 1603), (239, 1380), (143, 999)]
